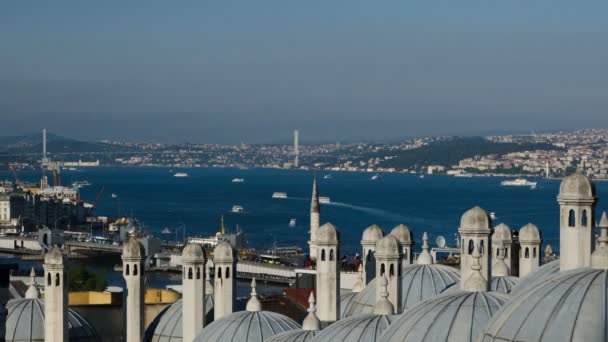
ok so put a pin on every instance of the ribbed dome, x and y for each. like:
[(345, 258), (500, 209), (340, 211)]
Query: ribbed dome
[(25, 322), (223, 251), (167, 326), (328, 233), (345, 302), (502, 285), (459, 316), (388, 245), (529, 233), (570, 306), (133, 249), (418, 282), (576, 186), (372, 234), (54, 256), (250, 326), (475, 219), (403, 233), (297, 335), (502, 232), (364, 328), (541, 274)]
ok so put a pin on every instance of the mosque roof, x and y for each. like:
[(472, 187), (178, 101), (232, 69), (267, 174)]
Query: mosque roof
[(167, 326), (366, 328), (541, 274)]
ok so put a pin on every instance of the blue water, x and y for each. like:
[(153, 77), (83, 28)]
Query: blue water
[(433, 204)]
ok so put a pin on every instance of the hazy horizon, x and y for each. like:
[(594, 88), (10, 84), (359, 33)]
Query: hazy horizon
[(236, 71)]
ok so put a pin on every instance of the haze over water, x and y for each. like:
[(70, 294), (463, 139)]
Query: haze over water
[(433, 204)]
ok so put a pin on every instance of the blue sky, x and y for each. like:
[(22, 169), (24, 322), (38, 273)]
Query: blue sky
[(232, 71)]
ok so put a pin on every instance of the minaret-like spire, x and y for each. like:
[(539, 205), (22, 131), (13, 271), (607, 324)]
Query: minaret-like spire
[(500, 268), (476, 282), (548, 251), (314, 202), (32, 291), (254, 303), (315, 218), (599, 258), (359, 285), (311, 322), (383, 305), (425, 258), (222, 229)]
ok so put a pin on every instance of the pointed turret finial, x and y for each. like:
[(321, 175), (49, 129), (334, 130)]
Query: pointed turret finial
[(476, 282), (32, 291), (32, 276), (311, 322), (599, 258), (383, 305), (222, 229), (500, 268), (359, 286), (548, 251), (425, 258), (314, 202), (254, 303)]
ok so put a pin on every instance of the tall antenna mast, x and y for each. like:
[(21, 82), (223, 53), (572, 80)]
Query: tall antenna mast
[(296, 149)]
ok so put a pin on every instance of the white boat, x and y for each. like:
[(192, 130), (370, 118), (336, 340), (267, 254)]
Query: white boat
[(324, 200), (518, 182), (292, 222), (166, 231), (375, 177), (421, 176), (467, 175), (80, 184), (327, 176), (279, 195), (114, 195), (180, 174), (238, 180), (237, 209), (493, 215)]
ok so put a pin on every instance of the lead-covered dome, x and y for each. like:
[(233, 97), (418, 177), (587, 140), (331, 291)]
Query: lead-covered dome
[(475, 219), (403, 233), (576, 186), (504, 285), (297, 335), (362, 328), (459, 316), (167, 326), (540, 275), (570, 306), (250, 326), (418, 282), (25, 322)]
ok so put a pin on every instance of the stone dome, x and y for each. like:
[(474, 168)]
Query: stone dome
[(529, 233), (167, 326), (502, 232), (346, 301), (251, 326), (223, 251), (418, 282), (362, 328), (540, 275), (372, 234), (54, 256), (459, 316), (193, 252), (475, 219), (502, 285), (388, 245), (25, 322), (328, 233), (570, 305), (576, 186), (297, 335), (403, 233), (133, 249)]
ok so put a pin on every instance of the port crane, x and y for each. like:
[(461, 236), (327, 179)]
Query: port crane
[(97, 198), (13, 170)]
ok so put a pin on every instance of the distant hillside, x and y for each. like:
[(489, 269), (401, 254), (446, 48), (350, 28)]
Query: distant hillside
[(449, 152), (32, 144)]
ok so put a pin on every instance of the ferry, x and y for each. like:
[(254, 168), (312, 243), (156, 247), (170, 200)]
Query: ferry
[(114, 195), (80, 184), (493, 215), (166, 231), (292, 222), (280, 195), (324, 200), (238, 180), (518, 182), (327, 176), (237, 209), (180, 174), (375, 177)]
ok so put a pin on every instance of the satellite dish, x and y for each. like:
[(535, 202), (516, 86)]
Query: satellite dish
[(440, 241)]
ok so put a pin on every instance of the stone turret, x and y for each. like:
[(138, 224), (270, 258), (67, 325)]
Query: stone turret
[(500, 268), (529, 252), (311, 322), (315, 218), (328, 273), (404, 234), (193, 284), (359, 285), (383, 305), (56, 297), (475, 230), (476, 282), (224, 289), (253, 304), (502, 235), (371, 236), (133, 254), (388, 266), (599, 258), (577, 232)]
